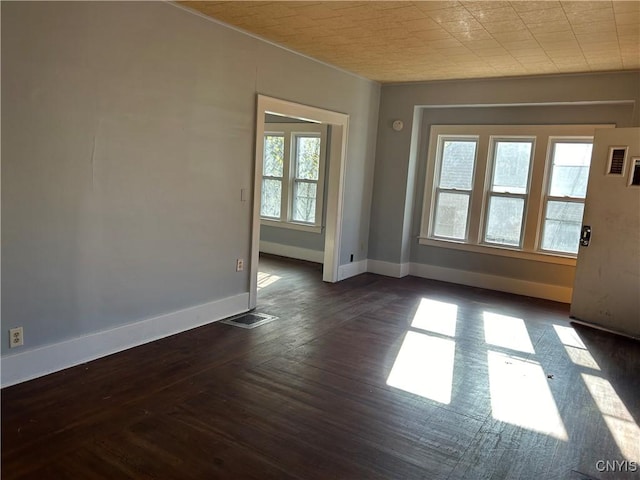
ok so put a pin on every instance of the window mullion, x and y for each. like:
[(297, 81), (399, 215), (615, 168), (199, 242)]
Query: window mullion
[(285, 210), (536, 203), (478, 194)]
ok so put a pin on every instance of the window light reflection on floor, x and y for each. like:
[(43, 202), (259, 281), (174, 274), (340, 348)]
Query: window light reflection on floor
[(575, 348), (424, 366), (266, 279), (621, 424), (437, 317), (520, 395), (507, 332)]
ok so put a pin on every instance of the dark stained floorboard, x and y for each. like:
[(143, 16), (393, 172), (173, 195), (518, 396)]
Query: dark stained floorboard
[(306, 396)]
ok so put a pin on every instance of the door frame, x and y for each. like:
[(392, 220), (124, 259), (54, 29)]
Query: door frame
[(337, 150)]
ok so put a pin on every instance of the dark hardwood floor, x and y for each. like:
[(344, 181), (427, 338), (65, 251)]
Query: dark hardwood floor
[(369, 378)]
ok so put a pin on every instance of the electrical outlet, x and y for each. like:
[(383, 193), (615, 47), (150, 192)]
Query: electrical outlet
[(239, 265), (16, 337)]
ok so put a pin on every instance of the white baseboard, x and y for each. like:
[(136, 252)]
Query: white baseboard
[(389, 269), (352, 269), (299, 253), (493, 282), (41, 361)]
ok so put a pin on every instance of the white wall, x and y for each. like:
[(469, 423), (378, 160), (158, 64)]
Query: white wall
[(128, 131)]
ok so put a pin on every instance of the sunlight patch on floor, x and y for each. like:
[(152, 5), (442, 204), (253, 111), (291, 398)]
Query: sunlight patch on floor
[(507, 332), (621, 424), (436, 317), (575, 348), (520, 395), (266, 279), (424, 366)]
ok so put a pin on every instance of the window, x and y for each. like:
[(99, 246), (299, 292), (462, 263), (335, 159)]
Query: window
[(305, 181), (273, 174), (455, 181), (510, 190), (566, 190), (293, 175)]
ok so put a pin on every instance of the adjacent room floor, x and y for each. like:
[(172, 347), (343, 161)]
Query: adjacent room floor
[(369, 378)]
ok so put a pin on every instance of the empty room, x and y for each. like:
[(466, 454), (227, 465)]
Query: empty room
[(320, 240)]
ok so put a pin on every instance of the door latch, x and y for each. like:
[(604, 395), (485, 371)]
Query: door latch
[(585, 235)]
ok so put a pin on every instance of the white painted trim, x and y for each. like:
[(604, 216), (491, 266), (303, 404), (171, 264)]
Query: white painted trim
[(335, 199), (405, 269), (299, 253), (352, 269), (389, 269), (557, 293), (29, 364), (526, 104)]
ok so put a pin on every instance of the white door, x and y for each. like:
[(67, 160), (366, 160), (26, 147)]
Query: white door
[(606, 290)]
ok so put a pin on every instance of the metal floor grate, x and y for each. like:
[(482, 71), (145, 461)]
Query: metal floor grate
[(249, 320)]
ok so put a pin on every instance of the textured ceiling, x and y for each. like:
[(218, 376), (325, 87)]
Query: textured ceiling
[(437, 40)]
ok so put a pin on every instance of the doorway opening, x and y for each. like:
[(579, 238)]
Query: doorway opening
[(269, 109)]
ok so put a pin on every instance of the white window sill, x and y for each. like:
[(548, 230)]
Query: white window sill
[(556, 258), (303, 227)]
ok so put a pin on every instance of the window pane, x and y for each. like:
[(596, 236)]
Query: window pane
[(307, 157), (456, 169), (562, 226), (570, 170), (451, 215), (273, 156), (511, 166), (504, 223), (304, 202), (271, 196)]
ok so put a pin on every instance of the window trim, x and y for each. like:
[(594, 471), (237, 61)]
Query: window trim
[(291, 131), (534, 213)]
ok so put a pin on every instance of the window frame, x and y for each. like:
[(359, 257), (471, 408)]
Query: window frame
[(285, 173), (547, 197), (292, 131), (488, 194), (437, 189), (297, 180), (533, 213)]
